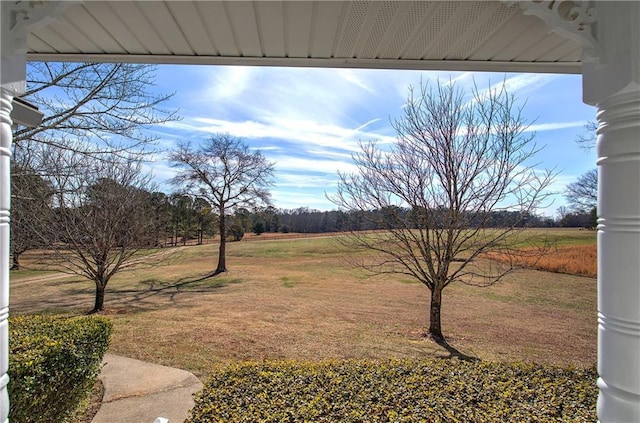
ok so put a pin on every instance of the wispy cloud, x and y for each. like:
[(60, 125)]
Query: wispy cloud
[(230, 82), (307, 133), (524, 83), (309, 121), (312, 164), (296, 199), (352, 76), (554, 126), (296, 180)]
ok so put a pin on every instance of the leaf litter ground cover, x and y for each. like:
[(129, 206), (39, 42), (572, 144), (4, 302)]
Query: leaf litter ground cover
[(396, 391)]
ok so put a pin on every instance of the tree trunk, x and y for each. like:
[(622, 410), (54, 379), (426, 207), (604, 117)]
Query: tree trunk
[(99, 303), (174, 235), (222, 262), (16, 261), (435, 329)]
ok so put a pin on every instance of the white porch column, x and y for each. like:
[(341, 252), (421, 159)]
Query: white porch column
[(12, 83), (610, 36), (16, 18), (6, 97), (611, 81)]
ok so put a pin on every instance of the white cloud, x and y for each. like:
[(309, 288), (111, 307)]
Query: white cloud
[(324, 95), (364, 125), (294, 200), (556, 125), (465, 78), (354, 77), (527, 82), (523, 85), (228, 82), (311, 164), (161, 173), (296, 180), (307, 133), (327, 153)]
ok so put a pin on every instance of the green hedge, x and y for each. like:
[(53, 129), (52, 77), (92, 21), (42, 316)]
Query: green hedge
[(53, 363), (396, 391)]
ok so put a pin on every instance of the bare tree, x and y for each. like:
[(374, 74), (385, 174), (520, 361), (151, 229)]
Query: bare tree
[(30, 202), (94, 107), (582, 194), (587, 140), (100, 216), (454, 162), (224, 172), (97, 109)]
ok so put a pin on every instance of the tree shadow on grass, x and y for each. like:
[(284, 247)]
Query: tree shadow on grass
[(169, 290), (77, 296), (454, 353)]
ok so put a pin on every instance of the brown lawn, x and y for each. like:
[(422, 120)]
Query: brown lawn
[(298, 299)]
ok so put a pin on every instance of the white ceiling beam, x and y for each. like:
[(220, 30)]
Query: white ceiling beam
[(443, 65)]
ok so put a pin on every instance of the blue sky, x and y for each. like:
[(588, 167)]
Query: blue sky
[(309, 120)]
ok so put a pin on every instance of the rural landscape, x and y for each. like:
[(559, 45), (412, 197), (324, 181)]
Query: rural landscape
[(432, 291), (298, 299)]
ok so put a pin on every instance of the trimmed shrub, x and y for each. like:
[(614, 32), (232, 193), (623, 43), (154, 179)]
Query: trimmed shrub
[(396, 391), (53, 364)]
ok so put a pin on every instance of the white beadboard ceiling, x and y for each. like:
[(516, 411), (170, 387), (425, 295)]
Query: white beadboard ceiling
[(444, 35)]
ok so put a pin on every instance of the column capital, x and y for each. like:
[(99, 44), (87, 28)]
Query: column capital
[(16, 19), (613, 65), (572, 19), (609, 34)]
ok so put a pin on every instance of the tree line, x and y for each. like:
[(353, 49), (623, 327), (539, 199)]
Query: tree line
[(308, 220), (178, 218)]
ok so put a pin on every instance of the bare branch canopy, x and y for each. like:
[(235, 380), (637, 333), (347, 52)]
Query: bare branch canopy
[(456, 162), (227, 174)]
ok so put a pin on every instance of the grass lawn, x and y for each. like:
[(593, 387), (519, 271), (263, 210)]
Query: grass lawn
[(297, 299)]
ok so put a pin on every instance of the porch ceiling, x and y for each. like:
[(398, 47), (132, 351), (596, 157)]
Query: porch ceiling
[(443, 35)]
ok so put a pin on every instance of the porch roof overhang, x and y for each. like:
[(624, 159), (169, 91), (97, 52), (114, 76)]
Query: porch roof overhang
[(428, 35)]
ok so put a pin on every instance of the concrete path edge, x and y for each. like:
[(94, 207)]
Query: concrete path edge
[(140, 392)]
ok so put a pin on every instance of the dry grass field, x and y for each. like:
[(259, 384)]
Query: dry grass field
[(298, 299), (572, 252)]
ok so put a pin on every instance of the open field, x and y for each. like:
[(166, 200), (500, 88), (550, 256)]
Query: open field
[(579, 260), (298, 299)]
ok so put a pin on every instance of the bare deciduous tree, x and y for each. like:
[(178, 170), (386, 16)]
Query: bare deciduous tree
[(100, 216), (582, 194), (104, 106), (454, 162), (587, 140), (224, 172), (97, 109), (30, 202)]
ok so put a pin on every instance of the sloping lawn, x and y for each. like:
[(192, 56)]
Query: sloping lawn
[(287, 304)]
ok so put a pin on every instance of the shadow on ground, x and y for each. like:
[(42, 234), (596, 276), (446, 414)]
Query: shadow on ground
[(79, 294), (453, 352)]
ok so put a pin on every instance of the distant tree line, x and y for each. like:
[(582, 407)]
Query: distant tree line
[(306, 220)]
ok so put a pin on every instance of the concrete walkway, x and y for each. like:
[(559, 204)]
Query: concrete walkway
[(139, 392)]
